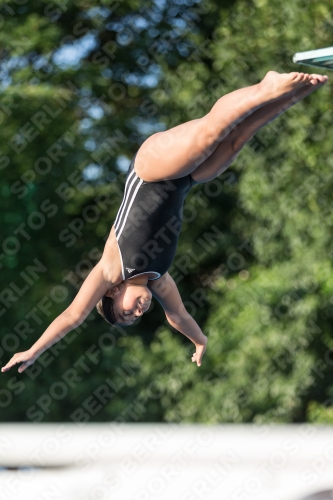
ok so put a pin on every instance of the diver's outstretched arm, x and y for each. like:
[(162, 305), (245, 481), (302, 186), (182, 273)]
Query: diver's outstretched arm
[(93, 288), (166, 292)]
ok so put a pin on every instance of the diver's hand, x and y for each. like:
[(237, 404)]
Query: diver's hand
[(200, 351), (26, 358)]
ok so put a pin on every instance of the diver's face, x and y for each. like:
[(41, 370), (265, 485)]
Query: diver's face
[(131, 302)]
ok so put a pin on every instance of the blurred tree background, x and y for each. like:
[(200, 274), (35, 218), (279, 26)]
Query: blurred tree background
[(83, 84)]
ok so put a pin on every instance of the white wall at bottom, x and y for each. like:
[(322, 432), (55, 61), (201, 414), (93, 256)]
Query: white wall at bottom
[(164, 461)]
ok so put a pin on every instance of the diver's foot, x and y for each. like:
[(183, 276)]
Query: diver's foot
[(276, 85), (316, 81)]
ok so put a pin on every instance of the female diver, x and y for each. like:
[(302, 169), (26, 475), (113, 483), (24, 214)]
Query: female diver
[(142, 242)]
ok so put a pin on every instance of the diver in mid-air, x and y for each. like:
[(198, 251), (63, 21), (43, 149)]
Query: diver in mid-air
[(143, 240)]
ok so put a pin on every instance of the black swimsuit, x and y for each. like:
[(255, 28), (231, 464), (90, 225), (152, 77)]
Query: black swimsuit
[(149, 222)]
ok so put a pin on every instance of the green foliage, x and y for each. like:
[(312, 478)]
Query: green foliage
[(319, 414), (267, 278)]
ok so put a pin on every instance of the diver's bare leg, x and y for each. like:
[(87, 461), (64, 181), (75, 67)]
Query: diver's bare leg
[(178, 151), (229, 148)]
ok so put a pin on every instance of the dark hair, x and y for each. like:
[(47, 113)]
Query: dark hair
[(105, 308)]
